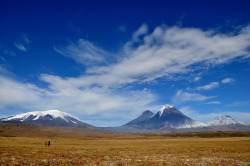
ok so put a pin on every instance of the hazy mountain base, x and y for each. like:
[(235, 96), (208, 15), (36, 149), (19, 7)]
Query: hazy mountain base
[(12, 129), (30, 130), (133, 128)]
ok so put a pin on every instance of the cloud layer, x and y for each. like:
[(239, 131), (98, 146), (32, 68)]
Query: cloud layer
[(183, 97), (106, 89), (84, 52)]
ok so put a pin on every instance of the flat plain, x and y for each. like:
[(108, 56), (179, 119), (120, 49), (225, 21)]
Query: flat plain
[(125, 150)]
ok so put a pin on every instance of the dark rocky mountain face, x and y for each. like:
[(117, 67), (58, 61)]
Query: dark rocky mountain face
[(144, 116), (168, 116), (168, 119)]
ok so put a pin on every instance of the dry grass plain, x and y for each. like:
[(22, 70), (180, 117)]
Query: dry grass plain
[(126, 150)]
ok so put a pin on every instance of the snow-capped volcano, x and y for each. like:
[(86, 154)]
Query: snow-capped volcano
[(168, 108), (224, 120), (168, 116), (47, 118)]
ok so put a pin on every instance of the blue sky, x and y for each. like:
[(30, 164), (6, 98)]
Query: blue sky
[(107, 61)]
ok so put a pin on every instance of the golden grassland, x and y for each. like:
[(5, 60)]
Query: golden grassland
[(130, 149), (23, 144)]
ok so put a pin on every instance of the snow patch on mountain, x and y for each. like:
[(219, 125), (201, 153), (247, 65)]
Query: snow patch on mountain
[(47, 118), (165, 107), (224, 120), (193, 124), (40, 114), (169, 116)]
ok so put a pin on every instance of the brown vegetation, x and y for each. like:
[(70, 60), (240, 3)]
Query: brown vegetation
[(172, 151), (30, 130), (92, 147)]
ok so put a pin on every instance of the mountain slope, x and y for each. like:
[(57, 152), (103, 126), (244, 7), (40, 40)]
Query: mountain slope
[(169, 116), (144, 116), (224, 120), (47, 118)]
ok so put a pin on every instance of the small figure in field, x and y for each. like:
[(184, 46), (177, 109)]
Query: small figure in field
[(48, 143)]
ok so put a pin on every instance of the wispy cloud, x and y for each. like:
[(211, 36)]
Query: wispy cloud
[(104, 89), (23, 43), (26, 39), (103, 103), (174, 50), (141, 31), (84, 52), (212, 85), (15, 93), (213, 102), (2, 59), (227, 80), (182, 97), (20, 46), (239, 103), (197, 78)]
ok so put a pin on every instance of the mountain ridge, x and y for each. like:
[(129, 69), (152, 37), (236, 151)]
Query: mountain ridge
[(47, 118), (167, 119), (170, 119), (144, 116), (223, 120), (168, 116)]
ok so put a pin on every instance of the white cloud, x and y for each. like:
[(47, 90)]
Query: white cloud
[(240, 103), (197, 78), (2, 59), (214, 102), (227, 80), (20, 46), (174, 50), (23, 44), (141, 31), (182, 97), (212, 85), (84, 52), (19, 94), (102, 103), (103, 90)]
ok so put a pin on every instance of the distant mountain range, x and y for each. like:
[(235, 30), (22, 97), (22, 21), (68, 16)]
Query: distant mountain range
[(168, 119)]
